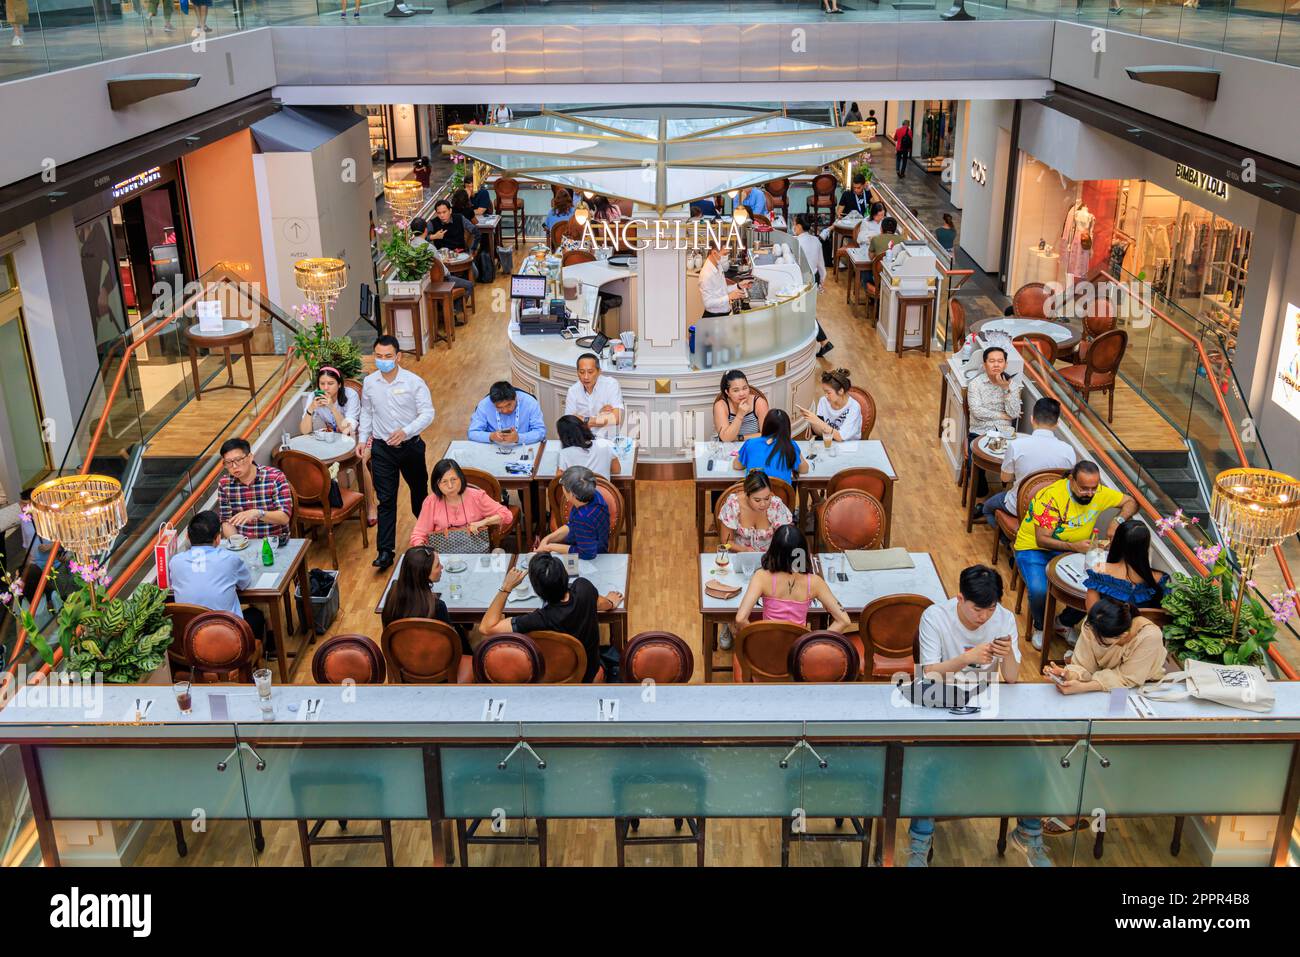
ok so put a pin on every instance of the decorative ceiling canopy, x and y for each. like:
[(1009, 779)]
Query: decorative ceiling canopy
[(658, 156)]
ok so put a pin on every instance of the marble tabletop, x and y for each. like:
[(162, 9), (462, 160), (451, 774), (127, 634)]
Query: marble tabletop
[(471, 590), (1069, 571), (1019, 326), (493, 459), (862, 453), (229, 327), (271, 578), (551, 456), (338, 446), (860, 590)]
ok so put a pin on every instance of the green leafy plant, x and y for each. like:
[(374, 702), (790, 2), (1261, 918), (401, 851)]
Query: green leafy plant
[(1201, 609), (411, 263), (317, 348)]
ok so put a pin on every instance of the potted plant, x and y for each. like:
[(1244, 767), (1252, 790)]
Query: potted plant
[(121, 640), (317, 347), (410, 263)]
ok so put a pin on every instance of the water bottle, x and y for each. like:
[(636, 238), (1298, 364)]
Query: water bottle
[(268, 557)]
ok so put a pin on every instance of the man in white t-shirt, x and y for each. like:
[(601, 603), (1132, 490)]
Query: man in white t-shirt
[(973, 632), (595, 398), (1027, 454)]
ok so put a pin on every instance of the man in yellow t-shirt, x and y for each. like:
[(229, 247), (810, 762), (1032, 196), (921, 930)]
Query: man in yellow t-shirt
[(1061, 518)]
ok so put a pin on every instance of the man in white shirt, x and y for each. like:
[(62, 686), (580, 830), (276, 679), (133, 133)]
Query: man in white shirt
[(973, 633), (811, 247), (395, 408), (595, 398), (1027, 454), (715, 291)]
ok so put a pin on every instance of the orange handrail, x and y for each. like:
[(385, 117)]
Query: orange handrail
[(1104, 458), (35, 598)]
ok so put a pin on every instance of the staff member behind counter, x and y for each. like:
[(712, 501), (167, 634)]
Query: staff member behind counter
[(714, 285)]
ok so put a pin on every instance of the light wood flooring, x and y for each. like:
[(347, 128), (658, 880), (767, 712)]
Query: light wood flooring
[(927, 516)]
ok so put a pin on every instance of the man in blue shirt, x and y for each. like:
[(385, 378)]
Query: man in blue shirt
[(506, 416), (753, 199), (587, 530), (210, 576)]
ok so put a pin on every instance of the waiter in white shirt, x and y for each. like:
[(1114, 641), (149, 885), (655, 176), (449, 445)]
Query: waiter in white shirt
[(811, 247), (715, 291), (395, 408), (595, 398)]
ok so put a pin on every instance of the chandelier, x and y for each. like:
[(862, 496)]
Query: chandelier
[(84, 512), (321, 280), (404, 197)]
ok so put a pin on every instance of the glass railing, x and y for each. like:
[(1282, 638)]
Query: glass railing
[(151, 429), (49, 35)]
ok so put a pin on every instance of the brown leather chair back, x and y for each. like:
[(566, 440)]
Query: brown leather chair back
[(867, 405), (181, 615), (575, 256), (1044, 343), (1032, 484), (872, 481), (421, 651), (780, 488), (890, 629), (956, 323), (762, 650), (507, 191), (1106, 353), (488, 483), (220, 647), (509, 659), (1102, 320), (777, 188), (851, 519), (1030, 300), (613, 501), (354, 384), (660, 656), (307, 476), (823, 186), (558, 232), (348, 657), (563, 657), (823, 656)]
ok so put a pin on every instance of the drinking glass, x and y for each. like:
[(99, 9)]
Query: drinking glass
[(262, 679), (724, 557), (456, 591), (184, 701)]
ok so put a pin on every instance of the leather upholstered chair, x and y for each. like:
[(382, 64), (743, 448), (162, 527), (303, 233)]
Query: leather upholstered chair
[(509, 658), (181, 615), (659, 656), (424, 651), (310, 480), (1030, 301), (762, 651), (851, 519), (888, 635), (867, 405), (1099, 370), (221, 647)]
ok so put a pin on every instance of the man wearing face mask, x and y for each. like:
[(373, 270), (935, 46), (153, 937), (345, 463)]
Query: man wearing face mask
[(715, 290), (395, 408), (1062, 518)]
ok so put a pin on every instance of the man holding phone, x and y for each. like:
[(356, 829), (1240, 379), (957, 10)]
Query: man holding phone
[(506, 416), (973, 632)]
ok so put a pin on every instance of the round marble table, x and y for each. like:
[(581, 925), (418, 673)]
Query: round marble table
[(1066, 335), (342, 447), (981, 458), (234, 332), (1065, 575)]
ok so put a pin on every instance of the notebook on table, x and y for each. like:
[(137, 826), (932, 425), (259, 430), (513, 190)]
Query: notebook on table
[(881, 559)]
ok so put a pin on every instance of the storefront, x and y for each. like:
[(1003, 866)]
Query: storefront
[(135, 243), (23, 446), (1195, 257), (934, 123)]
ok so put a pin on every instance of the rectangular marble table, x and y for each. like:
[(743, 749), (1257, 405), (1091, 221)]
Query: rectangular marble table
[(271, 588), (624, 481), (493, 460)]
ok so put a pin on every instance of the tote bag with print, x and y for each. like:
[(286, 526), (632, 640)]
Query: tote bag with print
[(1234, 686)]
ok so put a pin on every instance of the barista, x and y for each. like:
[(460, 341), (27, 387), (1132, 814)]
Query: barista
[(716, 291)]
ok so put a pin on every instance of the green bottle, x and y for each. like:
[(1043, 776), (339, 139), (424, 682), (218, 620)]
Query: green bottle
[(268, 558)]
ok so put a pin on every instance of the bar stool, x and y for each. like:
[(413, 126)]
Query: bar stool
[(509, 202)]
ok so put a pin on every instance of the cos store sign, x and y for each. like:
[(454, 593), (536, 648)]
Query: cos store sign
[(979, 172)]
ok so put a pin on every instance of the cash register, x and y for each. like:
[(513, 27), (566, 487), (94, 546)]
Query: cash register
[(537, 315)]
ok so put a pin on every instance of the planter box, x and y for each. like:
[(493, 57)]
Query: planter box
[(406, 290)]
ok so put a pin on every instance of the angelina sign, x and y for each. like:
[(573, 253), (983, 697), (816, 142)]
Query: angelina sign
[(662, 234)]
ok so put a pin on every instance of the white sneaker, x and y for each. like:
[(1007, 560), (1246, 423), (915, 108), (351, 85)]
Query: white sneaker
[(919, 855), (1037, 640), (17, 41)]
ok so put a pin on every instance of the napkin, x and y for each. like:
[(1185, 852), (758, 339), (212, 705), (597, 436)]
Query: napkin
[(267, 580), (716, 589), (849, 447), (881, 559)]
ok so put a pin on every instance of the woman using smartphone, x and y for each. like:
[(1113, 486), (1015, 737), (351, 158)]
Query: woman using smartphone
[(838, 414), (738, 410), (336, 407)]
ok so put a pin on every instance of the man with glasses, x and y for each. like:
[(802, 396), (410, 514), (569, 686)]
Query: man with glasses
[(253, 500)]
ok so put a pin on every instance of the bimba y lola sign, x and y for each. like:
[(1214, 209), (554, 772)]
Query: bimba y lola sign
[(1202, 181), (663, 234)]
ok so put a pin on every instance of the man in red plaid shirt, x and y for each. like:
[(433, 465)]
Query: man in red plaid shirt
[(253, 500)]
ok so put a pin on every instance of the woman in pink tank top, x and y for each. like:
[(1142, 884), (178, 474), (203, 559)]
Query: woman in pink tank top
[(787, 587)]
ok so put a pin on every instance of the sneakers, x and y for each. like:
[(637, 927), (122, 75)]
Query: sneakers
[(825, 349), (919, 852), (356, 14), (17, 41), (1037, 640), (1031, 845)]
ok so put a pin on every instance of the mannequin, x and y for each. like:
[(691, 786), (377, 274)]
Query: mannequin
[(1076, 230)]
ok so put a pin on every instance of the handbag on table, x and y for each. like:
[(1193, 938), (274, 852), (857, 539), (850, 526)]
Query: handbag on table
[(460, 541), (1233, 686)]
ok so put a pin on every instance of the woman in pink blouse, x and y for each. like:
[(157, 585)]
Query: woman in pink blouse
[(748, 520), (456, 505)]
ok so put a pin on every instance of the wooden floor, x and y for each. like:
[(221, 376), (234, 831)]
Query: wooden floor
[(927, 516), (216, 408)]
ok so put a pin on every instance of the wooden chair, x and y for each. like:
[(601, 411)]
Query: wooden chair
[(563, 657), (956, 324), (221, 647), (825, 656), (489, 484), (310, 480), (1100, 369), (873, 288), (424, 651), (1030, 301), (762, 651), (1032, 484), (181, 615), (1099, 323), (1041, 341), (358, 659), (510, 658), (613, 500), (440, 277), (558, 232), (888, 635), (509, 202), (867, 405), (575, 256), (851, 519), (780, 488), (663, 658), (778, 195), (823, 194), (872, 481)]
